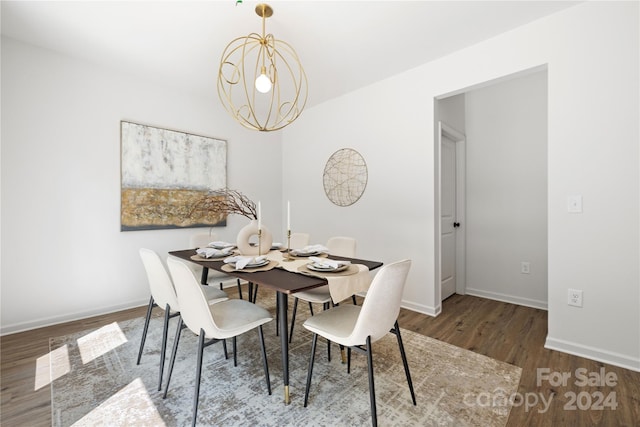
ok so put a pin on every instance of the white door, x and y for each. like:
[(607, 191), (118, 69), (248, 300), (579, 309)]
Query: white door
[(448, 216)]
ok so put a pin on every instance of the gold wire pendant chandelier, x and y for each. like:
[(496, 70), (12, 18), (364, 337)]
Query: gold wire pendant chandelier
[(261, 82)]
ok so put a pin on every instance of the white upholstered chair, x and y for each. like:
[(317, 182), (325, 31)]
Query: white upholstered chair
[(340, 246), (212, 323), (357, 327), (163, 295), (299, 240), (201, 240)]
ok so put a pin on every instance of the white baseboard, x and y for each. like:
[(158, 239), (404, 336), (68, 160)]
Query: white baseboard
[(421, 308), (70, 317), (542, 305), (593, 353)]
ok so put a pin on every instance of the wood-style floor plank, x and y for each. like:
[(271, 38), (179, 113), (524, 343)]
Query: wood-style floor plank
[(506, 332)]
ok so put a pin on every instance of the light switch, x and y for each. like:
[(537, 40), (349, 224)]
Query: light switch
[(574, 204)]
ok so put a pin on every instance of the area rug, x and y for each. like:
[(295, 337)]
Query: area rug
[(97, 382)]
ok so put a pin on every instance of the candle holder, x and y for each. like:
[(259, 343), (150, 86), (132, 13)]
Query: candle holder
[(288, 256)]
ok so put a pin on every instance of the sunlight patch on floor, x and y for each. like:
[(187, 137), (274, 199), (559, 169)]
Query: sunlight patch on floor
[(131, 400), (52, 366), (101, 341)]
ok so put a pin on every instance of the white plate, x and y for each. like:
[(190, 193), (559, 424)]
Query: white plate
[(316, 267), (215, 256), (225, 246), (223, 255), (298, 253), (254, 265)]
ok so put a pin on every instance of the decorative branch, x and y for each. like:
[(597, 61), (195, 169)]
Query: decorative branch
[(227, 202)]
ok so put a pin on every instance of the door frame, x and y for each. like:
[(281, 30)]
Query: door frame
[(460, 141)]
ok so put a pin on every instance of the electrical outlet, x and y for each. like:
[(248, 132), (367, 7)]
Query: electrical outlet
[(575, 297), (525, 267)]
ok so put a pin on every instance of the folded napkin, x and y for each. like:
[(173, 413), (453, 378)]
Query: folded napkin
[(327, 263), (311, 249), (213, 253), (242, 261), (218, 244)]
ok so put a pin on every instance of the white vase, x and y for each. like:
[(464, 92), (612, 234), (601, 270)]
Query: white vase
[(249, 230)]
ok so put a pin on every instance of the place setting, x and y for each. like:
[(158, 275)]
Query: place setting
[(310, 251), (221, 245), (248, 264), (214, 251), (319, 266)]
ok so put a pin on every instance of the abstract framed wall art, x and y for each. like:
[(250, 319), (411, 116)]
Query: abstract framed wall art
[(163, 173)]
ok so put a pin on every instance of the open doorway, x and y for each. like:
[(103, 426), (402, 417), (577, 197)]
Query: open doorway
[(504, 127)]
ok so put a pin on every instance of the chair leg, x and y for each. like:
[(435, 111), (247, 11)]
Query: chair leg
[(314, 340), (146, 328), (348, 360), (264, 359), (196, 393), (224, 346), (404, 362), (311, 308), (240, 290), (235, 352), (293, 317), (163, 350), (353, 298), (173, 356), (372, 389), (255, 293)]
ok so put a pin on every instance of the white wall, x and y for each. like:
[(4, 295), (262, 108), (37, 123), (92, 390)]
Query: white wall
[(506, 130), (592, 55), (60, 174), (63, 255)]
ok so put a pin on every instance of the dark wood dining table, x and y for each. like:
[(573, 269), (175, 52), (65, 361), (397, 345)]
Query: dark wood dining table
[(284, 283)]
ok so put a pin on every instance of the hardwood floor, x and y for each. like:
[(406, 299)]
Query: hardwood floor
[(516, 335), (507, 332)]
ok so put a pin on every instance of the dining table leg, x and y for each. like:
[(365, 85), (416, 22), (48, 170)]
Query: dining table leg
[(283, 304)]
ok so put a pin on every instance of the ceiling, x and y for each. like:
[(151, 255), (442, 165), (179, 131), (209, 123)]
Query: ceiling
[(343, 45)]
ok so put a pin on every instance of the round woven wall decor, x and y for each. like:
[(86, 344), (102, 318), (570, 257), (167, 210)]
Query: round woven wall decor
[(345, 177)]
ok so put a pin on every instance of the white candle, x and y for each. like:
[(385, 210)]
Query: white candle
[(259, 216), (288, 215)]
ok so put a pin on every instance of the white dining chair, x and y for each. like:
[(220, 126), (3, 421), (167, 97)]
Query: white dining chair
[(299, 240), (163, 295), (340, 246), (357, 327), (212, 323), (201, 240)]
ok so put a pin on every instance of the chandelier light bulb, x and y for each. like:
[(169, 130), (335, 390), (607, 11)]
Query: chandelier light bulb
[(263, 83)]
